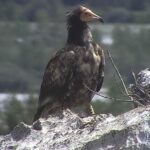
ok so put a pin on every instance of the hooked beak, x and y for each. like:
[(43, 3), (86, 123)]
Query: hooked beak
[(101, 20), (91, 16), (96, 17)]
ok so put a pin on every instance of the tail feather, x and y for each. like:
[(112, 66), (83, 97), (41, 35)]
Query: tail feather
[(38, 113)]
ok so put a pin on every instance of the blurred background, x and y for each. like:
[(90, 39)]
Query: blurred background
[(32, 30)]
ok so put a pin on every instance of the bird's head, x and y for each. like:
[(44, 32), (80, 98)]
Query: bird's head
[(83, 14)]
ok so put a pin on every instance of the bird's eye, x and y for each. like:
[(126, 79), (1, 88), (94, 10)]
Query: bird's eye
[(86, 13)]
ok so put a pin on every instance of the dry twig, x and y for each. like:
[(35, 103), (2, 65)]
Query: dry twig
[(123, 84), (117, 71), (134, 77), (121, 79), (115, 99)]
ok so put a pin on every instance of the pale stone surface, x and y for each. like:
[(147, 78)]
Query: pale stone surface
[(141, 88), (130, 130)]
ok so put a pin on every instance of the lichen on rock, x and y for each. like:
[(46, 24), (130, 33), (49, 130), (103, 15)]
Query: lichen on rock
[(130, 130)]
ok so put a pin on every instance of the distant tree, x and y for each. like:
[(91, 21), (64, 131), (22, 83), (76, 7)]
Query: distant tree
[(52, 10), (15, 111), (119, 15), (73, 2), (131, 49), (137, 5)]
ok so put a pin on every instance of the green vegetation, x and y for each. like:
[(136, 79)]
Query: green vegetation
[(25, 48), (52, 10), (15, 111)]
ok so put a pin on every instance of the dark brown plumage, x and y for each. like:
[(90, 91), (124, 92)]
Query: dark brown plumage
[(79, 63)]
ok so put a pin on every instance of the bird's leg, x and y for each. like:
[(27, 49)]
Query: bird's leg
[(92, 110), (92, 122), (87, 118)]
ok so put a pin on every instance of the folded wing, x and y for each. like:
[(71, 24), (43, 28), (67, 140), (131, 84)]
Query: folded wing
[(56, 78)]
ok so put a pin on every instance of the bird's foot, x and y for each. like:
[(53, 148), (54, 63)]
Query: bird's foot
[(89, 122)]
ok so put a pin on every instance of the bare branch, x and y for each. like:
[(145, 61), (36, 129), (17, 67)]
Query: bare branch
[(121, 79), (134, 77), (120, 100), (118, 85), (117, 71)]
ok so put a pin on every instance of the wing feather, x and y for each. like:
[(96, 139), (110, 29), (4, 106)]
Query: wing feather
[(101, 70), (57, 74)]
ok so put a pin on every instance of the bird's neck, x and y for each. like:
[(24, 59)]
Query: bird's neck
[(79, 34)]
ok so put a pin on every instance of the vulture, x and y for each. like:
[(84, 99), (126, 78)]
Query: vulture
[(74, 71)]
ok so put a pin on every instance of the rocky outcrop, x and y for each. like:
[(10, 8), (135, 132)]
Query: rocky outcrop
[(67, 131), (140, 90), (130, 130)]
